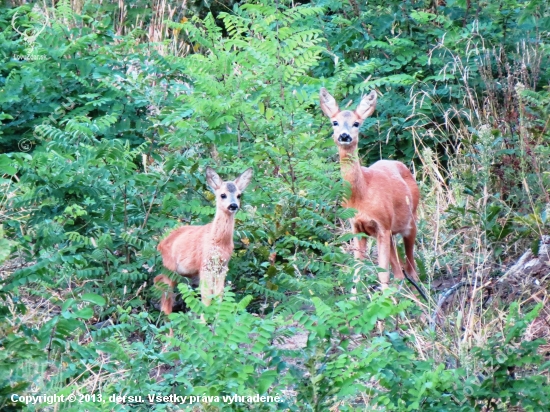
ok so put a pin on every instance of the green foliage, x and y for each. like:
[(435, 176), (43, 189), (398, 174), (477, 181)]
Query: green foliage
[(5, 246), (502, 385), (232, 352), (105, 137)]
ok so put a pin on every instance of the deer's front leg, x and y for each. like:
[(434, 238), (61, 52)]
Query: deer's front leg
[(360, 243), (383, 240), (359, 252), (212, 278), (206, 282), (219, 283)]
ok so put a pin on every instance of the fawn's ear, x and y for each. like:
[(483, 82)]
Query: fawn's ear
[(328, 104), (212, 178), (367, 105), (243, 180)]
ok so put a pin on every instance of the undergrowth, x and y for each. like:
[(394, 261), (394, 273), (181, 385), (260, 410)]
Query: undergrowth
[(110, 113)]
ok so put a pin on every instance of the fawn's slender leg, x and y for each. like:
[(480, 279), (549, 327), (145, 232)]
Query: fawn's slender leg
[(219, 283), (211, 285), (212, 277), (167, 298), (206, 287)]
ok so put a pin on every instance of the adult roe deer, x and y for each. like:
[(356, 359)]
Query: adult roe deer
[(385, 194), (204, 251)]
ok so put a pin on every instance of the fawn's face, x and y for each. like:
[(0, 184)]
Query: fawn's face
[(228, 194), (346, 123)]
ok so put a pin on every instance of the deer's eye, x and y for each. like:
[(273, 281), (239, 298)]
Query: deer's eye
[(238, 196), (356, 124), (223, 196), (335, 123)]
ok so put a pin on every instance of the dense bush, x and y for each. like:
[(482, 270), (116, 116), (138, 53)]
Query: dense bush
[(105, 138)]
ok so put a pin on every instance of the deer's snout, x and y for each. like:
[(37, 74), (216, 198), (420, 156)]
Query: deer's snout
[(344, 138), (233, 207)]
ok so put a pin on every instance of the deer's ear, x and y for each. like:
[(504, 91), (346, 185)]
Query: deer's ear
[(328, 104), (212, 178), (244, 179), (367, 105)]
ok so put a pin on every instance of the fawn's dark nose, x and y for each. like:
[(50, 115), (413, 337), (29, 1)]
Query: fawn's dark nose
[(233, 207), (344, 138)]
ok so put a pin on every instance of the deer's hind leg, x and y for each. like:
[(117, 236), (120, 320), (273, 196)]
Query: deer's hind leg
[(408, 240), (395, 261), (167, 298)]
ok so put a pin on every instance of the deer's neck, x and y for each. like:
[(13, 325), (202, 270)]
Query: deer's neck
[(222, 229), (350, 167)]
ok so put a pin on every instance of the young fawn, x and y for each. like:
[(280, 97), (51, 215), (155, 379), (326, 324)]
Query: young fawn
[(204, 251), (385, 194)]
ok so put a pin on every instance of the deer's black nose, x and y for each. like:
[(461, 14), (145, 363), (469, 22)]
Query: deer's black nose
[(345, 138), (233, 207)]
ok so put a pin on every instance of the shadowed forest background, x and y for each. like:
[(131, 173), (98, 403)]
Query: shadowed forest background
[(110, 113)]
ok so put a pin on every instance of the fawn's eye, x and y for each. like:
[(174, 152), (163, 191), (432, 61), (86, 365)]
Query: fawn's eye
[(223, 196), (356, 124), (238, 196), (335, 123)]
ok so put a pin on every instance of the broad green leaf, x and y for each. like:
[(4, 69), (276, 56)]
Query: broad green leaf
[(94, 298)]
